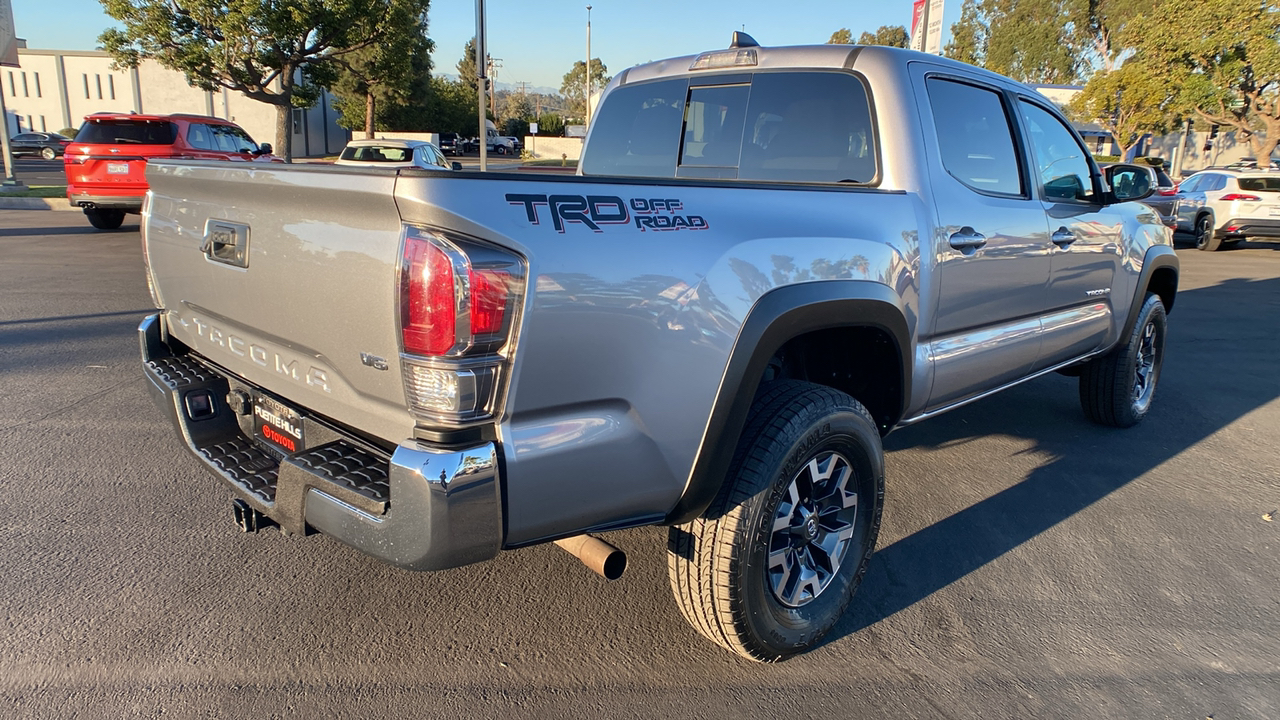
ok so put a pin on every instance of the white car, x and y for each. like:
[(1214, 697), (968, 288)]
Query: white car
[(1225, 206), (387, 152)]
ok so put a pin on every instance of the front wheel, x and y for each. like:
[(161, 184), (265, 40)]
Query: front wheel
[(501, 150), (770, 567), (105, 219), (48, 153), (1117, 388)]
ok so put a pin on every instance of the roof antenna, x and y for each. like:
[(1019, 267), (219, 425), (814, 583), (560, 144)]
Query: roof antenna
[(742, 40)]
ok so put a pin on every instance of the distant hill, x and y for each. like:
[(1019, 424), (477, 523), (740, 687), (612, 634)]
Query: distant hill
[(510, 86)]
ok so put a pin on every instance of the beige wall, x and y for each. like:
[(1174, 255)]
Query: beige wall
[(149, 89), (551, 148), (31, 95)]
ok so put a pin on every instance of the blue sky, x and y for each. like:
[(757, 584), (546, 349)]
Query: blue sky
[(539, 41)]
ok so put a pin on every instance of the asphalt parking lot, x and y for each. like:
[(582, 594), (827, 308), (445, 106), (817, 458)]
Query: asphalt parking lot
[(1031, 565)]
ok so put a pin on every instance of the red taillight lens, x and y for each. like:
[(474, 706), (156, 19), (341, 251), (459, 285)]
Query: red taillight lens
[(1167, 191), (428, 315), (488, 301), (1239, 196)]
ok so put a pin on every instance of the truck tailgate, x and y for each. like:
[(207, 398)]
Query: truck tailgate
[(320, 253)]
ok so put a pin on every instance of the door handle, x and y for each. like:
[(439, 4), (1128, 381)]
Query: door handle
[(967, 240), (1063, 237)]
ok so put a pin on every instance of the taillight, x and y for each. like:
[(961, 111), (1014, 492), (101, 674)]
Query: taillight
[(1239, 196), (1167, 191), (457, 302), (428, 315)]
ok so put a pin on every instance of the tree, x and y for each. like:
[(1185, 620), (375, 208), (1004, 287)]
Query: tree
[(388, 71), (550, 124), (841, 37), (968, 35), (887, 35), (451, 107), (1099, 27), (467, 66), (1127, 102), (1029, 40), (1222, 59), (574, 90), (279, 53)]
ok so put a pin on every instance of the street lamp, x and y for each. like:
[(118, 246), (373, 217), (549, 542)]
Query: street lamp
[(588, 96)]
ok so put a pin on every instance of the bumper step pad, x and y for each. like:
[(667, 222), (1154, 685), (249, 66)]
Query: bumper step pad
[(277, 488)]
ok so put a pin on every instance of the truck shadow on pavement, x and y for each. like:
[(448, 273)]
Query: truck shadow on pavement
[(1219, 366), (77, 230)]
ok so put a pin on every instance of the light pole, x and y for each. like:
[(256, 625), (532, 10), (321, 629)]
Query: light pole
[(481, 70), (588, 67)]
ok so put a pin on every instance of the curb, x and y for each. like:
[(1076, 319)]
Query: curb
[(29, 203)]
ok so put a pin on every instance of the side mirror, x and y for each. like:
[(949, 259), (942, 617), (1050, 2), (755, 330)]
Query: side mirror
[(265, 149), (1129, 182), (456, 165)]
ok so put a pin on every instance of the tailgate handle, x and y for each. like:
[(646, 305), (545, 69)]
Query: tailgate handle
[(226, 242)]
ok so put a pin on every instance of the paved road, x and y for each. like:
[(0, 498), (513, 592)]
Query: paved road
[(1031, 565), (37, 171)]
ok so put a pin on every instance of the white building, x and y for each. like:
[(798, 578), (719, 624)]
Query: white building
[(55, 89)]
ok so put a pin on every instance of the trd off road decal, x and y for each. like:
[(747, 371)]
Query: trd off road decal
[(594, 211)]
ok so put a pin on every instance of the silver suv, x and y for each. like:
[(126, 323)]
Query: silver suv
[(1223, 207)]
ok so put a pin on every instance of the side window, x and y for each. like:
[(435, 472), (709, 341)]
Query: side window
[(713, 126), (637, 133), (1061, 163), (1191, 184), (198, 137), (975, 137), (25, 137), (1215, 182), (808, 127)]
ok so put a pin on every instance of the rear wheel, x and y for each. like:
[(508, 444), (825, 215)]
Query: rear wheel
[(769, 568), (105, 219), (48, 153), (1205, 237)]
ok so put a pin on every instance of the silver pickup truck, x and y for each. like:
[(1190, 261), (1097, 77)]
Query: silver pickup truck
[(769, 259)]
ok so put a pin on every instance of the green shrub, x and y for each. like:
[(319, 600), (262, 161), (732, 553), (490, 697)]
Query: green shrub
[(68, 132)]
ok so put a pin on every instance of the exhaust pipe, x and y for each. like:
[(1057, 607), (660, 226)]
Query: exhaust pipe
[(604, 559)]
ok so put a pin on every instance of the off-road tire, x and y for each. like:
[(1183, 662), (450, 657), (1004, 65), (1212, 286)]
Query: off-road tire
[(719, 563), (105, 219), (1206, 238), (1109, 390)]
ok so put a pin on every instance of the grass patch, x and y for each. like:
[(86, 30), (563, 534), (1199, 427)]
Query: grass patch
[(39, 191), (551, 162)]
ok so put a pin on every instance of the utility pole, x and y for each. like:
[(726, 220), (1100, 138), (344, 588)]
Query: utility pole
[(588, 95), (480, 82), (495, 64)]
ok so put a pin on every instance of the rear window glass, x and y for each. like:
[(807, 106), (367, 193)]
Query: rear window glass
[(713, 126), (377, 154), (637, 133), (127, 132), (808, 127), (1260, 184)]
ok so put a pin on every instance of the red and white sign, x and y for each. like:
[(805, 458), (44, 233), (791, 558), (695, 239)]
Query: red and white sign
[(918, 24)]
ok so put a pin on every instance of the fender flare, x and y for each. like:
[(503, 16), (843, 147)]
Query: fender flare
[(1157, 257), (777, 317)]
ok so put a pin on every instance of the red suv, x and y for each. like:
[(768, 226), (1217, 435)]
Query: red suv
[(106, 163)]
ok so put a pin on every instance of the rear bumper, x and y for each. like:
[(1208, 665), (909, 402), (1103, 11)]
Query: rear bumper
[(89, 200), (421, 508), (1251, 227)]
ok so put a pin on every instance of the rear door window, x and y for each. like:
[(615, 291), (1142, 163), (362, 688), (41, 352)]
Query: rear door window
[(127, 132), (637, 133), (713, 126), (808, 127), (975, 137)]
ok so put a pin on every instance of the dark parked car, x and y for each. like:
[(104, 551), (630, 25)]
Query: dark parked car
[(449, 143), (46, 145)]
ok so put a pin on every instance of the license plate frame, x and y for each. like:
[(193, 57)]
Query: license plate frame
[(1274, 211), (278, 424), (120, 168)]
